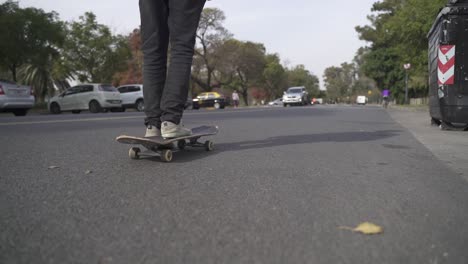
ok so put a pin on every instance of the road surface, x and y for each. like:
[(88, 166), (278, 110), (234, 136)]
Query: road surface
[(276, 190)]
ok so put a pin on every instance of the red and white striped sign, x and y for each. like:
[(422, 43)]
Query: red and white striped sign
[(446, 65)]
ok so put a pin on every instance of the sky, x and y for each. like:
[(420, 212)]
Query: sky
[(315, 33)]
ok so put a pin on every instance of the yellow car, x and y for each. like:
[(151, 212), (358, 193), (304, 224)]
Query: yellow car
[(209, 99)]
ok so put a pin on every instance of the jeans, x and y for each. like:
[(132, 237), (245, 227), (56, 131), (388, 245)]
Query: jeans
[(167, 23)]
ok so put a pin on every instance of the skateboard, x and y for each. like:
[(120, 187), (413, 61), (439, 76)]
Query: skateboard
[(159, 146)]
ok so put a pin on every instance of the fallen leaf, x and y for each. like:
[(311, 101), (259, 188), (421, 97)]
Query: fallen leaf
[(53, 167), (365, 228)]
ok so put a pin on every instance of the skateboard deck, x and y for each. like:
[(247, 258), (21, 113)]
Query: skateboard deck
[(159, 146)]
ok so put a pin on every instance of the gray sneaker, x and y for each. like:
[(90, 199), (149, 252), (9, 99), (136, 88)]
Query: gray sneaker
[(171, 130), (152, 131)]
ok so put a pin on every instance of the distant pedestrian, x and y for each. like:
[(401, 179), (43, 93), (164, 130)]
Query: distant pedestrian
[(235, 98), (385, 97)]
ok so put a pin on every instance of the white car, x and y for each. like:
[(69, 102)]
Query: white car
[(94, 97), (295, 96), (132, 96), (14, 98), (361, 100)]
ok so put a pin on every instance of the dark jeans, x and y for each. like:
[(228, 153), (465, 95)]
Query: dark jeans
[(165, 87)]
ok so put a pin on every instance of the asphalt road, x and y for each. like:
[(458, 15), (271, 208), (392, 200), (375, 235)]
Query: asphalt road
[(276, 190)]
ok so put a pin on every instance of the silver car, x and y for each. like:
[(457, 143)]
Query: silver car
[(296, 96), (17, 99)]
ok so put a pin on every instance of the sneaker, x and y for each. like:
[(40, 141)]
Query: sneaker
[(171, 130), (152, 131)]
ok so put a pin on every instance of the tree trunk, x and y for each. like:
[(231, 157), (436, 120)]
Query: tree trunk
[(201, 83), (245, 95), (13, 72)]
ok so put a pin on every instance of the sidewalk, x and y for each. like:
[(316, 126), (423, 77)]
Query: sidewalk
[(449, 146)]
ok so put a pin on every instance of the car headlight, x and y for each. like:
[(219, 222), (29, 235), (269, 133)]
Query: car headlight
[(195, 100)]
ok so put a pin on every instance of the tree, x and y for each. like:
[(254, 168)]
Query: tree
[(93, 52), (247, 61), (275, 76), (133, 73), (29, 36), (397, 35), (211, 36), (51, 73), (340, 81)]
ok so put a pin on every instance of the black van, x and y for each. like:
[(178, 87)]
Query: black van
[(448, 66)]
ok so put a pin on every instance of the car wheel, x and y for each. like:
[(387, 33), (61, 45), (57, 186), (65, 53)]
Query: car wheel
[(217, 106), (76, 111), (95, 107), (20, 112), (55, 109), (140, 105)]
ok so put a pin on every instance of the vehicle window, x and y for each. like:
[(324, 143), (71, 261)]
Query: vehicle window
[(297, 90), (107, 88), (211, 96), (134, 89), (123, 89), (72, 90), (86, 89)]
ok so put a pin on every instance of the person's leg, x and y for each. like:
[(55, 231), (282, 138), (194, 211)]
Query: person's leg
[(184, 16), (154, 39)]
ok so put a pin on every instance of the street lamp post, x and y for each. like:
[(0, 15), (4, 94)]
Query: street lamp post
[(407, 66)]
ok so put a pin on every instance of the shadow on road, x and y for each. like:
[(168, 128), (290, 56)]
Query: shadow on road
[(190, 155), (307, 139)]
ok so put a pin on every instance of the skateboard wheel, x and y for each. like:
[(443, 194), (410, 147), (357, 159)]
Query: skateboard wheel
[(181, 144), (166, 155), (133, 153), (209, 145)]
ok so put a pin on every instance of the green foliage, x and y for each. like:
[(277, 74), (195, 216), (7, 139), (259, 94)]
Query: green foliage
[(209, 61), (93, 52), (274, 76), (248, 65), (397, 35), (29, 36), (339, 81)]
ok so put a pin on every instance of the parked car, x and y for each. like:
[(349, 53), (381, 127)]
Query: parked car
[(210, 99), (361, 100), (132, 96), (94, 97), (275, 102), (296, 96), (16, 99)]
